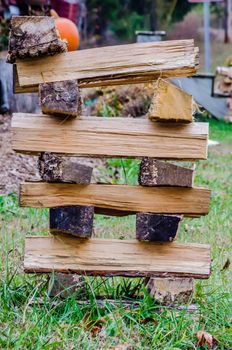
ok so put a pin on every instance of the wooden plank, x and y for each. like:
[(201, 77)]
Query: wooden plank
[(33, 36), (153, 172), (170, 103), (111, 65), (109, 257), (113, 137), (160, 200)]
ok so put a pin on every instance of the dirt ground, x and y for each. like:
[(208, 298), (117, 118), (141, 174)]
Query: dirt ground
[(14, 167)]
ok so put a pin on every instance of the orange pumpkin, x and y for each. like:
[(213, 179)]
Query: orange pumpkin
[(67, 30)]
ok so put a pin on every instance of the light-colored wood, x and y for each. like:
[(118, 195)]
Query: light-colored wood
[(170, 103), (112, 137), (116, 257), (33, 36), (160, 200), (112, 65)]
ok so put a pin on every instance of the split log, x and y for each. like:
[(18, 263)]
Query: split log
[(151, 227), (113, 65), (113, 257), (33, 36), (77, 221), (171, 290), (61, 98), (53, 168), (156, 173), (170, 103), (112, 137), (158, 200)]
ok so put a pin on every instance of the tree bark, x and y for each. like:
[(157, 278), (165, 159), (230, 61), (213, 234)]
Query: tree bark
[(34, 36), (157, 173), (61, 98)]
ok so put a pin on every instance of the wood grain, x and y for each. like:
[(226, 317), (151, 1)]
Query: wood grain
[(160, 200), (112, 137), (170, 103), (111, 65), (107, 257)]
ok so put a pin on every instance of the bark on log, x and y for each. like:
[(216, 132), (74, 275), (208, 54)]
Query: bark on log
[(61, 98), (170, 104), (77, 220), (161, 228), (157, 173), (34, 36), (53, 168)]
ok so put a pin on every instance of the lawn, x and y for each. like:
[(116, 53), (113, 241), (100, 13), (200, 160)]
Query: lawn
[(141, 324)]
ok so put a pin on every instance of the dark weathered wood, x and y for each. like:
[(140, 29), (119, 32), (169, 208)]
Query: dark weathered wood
[(156, 173), (151, 227), (112, 212), (53, 168), (77, 221), (33, 36), (60, 97), (108, 257)]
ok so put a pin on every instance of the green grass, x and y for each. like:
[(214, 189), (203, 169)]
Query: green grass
[(66, 324)]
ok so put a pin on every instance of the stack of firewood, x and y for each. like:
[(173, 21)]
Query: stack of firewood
[(165, 193)]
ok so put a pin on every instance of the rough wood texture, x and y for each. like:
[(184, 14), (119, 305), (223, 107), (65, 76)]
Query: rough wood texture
[(108, 257), (170, 104), (123, 64), (60, 98), (151, 227), (159, 200), (33, 36), (77, 221), (53, 168), (63, 285), (169, 291), (156, 173), (113, 137)]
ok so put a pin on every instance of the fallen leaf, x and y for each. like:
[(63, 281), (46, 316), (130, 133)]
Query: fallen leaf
[(205, 338)]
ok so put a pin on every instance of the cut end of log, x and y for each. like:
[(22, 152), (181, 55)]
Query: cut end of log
[(77, 221), (33, 36), (53, 168), (157, 228), (171, 290), (157, 173), (61, 98), (170, 104)]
